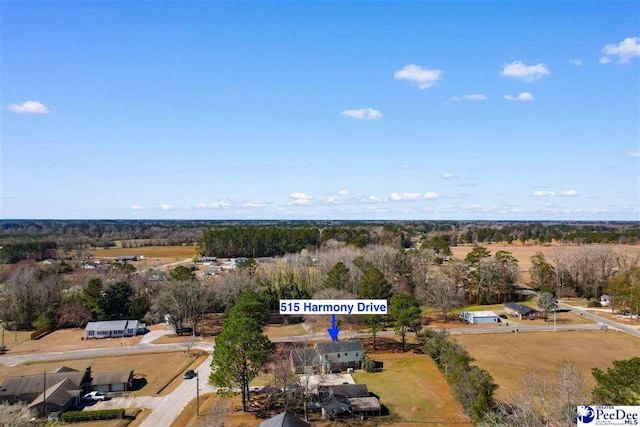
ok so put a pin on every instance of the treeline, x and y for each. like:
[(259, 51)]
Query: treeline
[(257, 241), (33, 250)]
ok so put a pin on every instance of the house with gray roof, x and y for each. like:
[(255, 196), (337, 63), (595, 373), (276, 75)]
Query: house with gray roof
[(285, 419), (520, 311), (113, 329), (113, 381), (340, 355)]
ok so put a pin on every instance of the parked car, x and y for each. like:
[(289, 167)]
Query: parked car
[(189, 374), (184, 330), (95, 395)]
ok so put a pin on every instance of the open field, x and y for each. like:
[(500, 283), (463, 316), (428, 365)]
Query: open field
[(508, 356), (149, 252), (68, 340), (523, 253), (412, 381), (157, 369)]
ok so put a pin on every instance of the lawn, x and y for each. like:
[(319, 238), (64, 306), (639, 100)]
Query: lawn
[(233, 416), (508, 356), (412, 381), (149, 252), (64, 340), (283, 331), (158, 370)]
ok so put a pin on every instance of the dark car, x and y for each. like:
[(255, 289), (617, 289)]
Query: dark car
[(184, 330), (189, 374)]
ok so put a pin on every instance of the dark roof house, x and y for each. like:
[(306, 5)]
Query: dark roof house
[(518, 310), (285, 419)]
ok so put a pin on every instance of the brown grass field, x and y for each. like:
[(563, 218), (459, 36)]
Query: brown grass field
[(68, 340), (508, 356), (281, 331), (149, 252), (158, 369), (412, 380)]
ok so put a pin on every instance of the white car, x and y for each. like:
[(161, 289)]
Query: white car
[(95, 395)]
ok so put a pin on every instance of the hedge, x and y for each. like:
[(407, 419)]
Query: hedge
[(105, 414)]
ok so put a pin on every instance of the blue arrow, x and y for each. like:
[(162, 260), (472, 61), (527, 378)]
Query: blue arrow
[(333, 332)]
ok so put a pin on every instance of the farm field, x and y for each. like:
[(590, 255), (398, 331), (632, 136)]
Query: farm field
[(508, 356), (149, 252), (157, 369)]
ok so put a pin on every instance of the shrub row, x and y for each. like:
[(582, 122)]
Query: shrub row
[(79, 416), (472, 386)]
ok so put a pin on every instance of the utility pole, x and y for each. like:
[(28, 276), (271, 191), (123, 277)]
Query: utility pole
[(197, 394), (44, 394)]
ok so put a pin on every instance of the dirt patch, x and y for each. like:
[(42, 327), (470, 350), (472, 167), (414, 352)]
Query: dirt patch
[(508, 356)]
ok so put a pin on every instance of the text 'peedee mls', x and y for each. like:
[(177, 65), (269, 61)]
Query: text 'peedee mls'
[(322, 306)]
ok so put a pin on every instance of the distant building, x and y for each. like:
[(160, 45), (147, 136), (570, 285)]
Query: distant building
[(113, 329), (520, 311), (125, 258), (475, 317)]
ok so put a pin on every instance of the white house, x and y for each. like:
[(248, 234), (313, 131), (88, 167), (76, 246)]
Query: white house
[(113, 329)]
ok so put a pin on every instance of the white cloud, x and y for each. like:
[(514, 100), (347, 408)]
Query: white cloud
[(528, 73), (625, 50), (576, 62), (136, 207), (363, 113), (165, 207), (634, 153), (447, 176), (409, 197), (254, 205), (343, 193), (422, 77), (474, 97), (569, 193), (604, 60), (372, 199), (334, 200), (218, 205), (523, 97), (299, 199), (29, 107), (543, 193)]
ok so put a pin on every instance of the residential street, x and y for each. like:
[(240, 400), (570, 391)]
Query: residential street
[(166, 409)]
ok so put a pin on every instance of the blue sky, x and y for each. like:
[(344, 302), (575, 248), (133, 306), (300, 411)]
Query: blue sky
[(320, 110)]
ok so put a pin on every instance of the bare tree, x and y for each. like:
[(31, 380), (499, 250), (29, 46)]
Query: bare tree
[(217, 414), (441, 293)]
